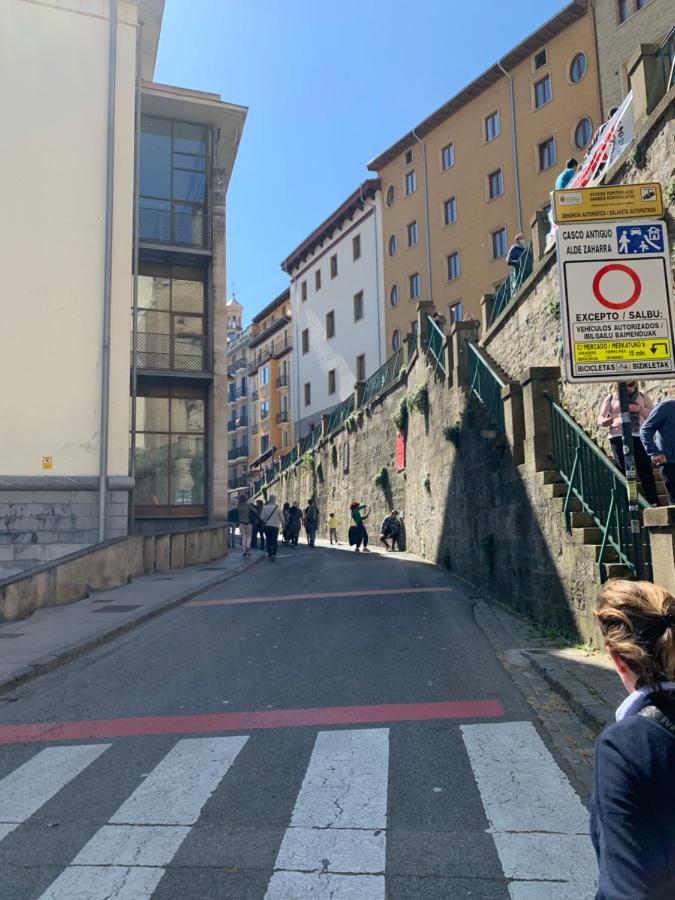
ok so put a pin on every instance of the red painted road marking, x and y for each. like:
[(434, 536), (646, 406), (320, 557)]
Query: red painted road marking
[(230, 601), (249, 721)]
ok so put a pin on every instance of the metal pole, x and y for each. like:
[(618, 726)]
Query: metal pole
[(107, 274), (134, 326), (629, 464)]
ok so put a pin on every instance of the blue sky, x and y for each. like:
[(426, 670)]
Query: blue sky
[(329, 86)]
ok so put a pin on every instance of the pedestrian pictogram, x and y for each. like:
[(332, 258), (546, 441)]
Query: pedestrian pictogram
[(639, 239), (611, 303)]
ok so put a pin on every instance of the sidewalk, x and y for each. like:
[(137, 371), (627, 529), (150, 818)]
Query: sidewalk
[(56, 634)]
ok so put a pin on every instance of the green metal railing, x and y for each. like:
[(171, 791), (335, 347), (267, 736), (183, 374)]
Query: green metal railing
[(288, 459), (599, 487), (309, 441), (487, 386), (339, 414), (411, 343), (666, 57), (385, 376), (435, 344), (512, 284)]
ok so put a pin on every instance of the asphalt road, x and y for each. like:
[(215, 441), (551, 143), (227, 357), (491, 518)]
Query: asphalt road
[(355, 738)]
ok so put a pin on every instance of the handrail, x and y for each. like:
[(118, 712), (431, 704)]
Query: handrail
[(434, 345), (487, 386), (599, 487), (339, 414), (512, 284), (383, 377)]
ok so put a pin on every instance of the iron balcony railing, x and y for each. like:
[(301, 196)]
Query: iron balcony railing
[(599, 487), (238, 452), (240, 422), (264, 414), (282, 380), (487, 386), (279, 347), (181, 224), (512, 284), (435, 345), (235, 394), (339, 414), (170, 353), (254, 427), (237, 365), (385, 376), (282, 416), (241, 481)]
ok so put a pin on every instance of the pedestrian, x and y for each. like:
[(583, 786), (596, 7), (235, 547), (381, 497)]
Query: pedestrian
[(515, 253), (567, 174), (272, 520), (333, 524), (245, 513), (311, 519), (639, 406), (658, 437), (285, 512), (357, 533), (389, 529), (633, 802), (294, 523), (258, 528)]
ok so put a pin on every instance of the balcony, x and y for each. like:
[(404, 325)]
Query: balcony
[(170, 353), (255, 395), (280, 347), (241, 481), (254, 428), (234, 395), (240, 452), (282, 380), (264, 414), (240, 422), (181, 224), (237, 365), (282, 416)]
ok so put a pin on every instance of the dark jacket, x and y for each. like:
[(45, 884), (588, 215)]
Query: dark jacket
[(658, 433), (515, 252), (633, 809)]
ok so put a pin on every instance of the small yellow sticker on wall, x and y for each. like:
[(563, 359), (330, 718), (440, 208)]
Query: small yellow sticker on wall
[(47, 462)]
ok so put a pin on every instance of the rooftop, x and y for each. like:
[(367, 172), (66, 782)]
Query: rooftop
[(283, 297)]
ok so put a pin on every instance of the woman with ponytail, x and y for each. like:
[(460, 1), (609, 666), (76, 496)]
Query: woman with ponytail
[(633, 805)]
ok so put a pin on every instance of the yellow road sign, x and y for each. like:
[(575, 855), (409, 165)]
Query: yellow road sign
[(616, 201), (618, 351)]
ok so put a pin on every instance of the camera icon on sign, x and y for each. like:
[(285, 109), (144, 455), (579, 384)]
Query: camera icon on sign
[(648, 194)]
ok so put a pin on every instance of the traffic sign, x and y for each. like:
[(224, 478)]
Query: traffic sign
[(616, 301), (607, 203)]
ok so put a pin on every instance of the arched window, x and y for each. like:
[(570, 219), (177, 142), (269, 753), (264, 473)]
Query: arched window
[(390, 195), (393, 296), (396, 340), (578, 67), (583, 133), (393, 245)]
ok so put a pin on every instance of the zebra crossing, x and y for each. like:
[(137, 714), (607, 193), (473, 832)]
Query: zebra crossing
[(335, 838)]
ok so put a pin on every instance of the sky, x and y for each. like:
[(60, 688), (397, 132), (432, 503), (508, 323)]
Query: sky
[(329, 86)]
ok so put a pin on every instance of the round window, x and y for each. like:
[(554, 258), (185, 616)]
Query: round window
[(583, 133), (390, 195), (393, 296), (578, 67), (396, 339), (393, 245)]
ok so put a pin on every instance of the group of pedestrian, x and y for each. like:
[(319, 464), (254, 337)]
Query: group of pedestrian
[(267, 520), (653, 430)]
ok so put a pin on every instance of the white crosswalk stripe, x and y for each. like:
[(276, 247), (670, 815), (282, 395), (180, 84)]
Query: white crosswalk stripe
[(29, 787), (537, 821), (335, 844), (126, 859)]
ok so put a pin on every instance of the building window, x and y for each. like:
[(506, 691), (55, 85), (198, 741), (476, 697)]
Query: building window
[(495, 184), (408, 157), (303, 291), (356, 247), (492, 126), (330, 324), (264, 443), (412, 234), (358, 306), (172, 206), (333, 266), (450, 211), (317, 280), (453, 266), (583, 133), (578, 67), (414, 284), (395, 340), (331, 381), (169, 449), (447, 156), (308, 393), (393, 245), (305, 340), (410, 182), (264, 375), (546, 154), (391, 195), (361, 367), (264, 409), (393, 295), (624, 10), (540, 59), (542, 91), (499, 243), (456, 311), (284, 439), (414, 327), (170, 318)]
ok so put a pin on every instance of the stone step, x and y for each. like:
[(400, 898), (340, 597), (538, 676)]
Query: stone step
[(555, 490), (616, 570), (610, 555), (592, 535), (581, 519), (549, 476)]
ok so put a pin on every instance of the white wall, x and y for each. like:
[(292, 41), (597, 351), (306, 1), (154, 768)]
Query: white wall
[(53, 97), (351, 338)]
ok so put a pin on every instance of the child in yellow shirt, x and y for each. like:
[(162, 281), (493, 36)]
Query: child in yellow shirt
[(333, 523)]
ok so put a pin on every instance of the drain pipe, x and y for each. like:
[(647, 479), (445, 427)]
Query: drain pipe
[(107, 274), (134, 326), (519, 209), (373, 206), (426, 212)]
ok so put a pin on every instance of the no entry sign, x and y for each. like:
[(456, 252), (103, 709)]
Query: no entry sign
[(617, 307)]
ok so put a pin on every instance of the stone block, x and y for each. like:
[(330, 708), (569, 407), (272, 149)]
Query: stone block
[(25, 595), (204, 545), (178, 550), (162, 552), (148, 554), (218, 542), (192, 545)]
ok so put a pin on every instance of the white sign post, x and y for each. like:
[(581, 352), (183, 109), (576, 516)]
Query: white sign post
[(616, 301)]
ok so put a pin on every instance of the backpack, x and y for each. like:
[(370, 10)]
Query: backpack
[(311, 515)]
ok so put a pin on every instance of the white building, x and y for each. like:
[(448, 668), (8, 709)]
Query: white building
[(336, 295)]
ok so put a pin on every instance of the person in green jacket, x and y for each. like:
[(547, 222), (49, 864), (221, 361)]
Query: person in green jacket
[(246, 513), (357, 533)]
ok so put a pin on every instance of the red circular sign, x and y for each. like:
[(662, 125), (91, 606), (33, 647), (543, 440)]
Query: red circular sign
[(617, 267)]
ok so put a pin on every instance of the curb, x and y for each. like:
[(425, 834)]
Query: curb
[(49, 663)]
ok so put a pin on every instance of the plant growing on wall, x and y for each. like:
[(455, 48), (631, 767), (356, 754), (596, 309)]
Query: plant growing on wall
[(669, 193), (419, 400), (381, 480), (400, 417), (426, 481), (350, 423), (451, 433), (309, 460), (552, 305)]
